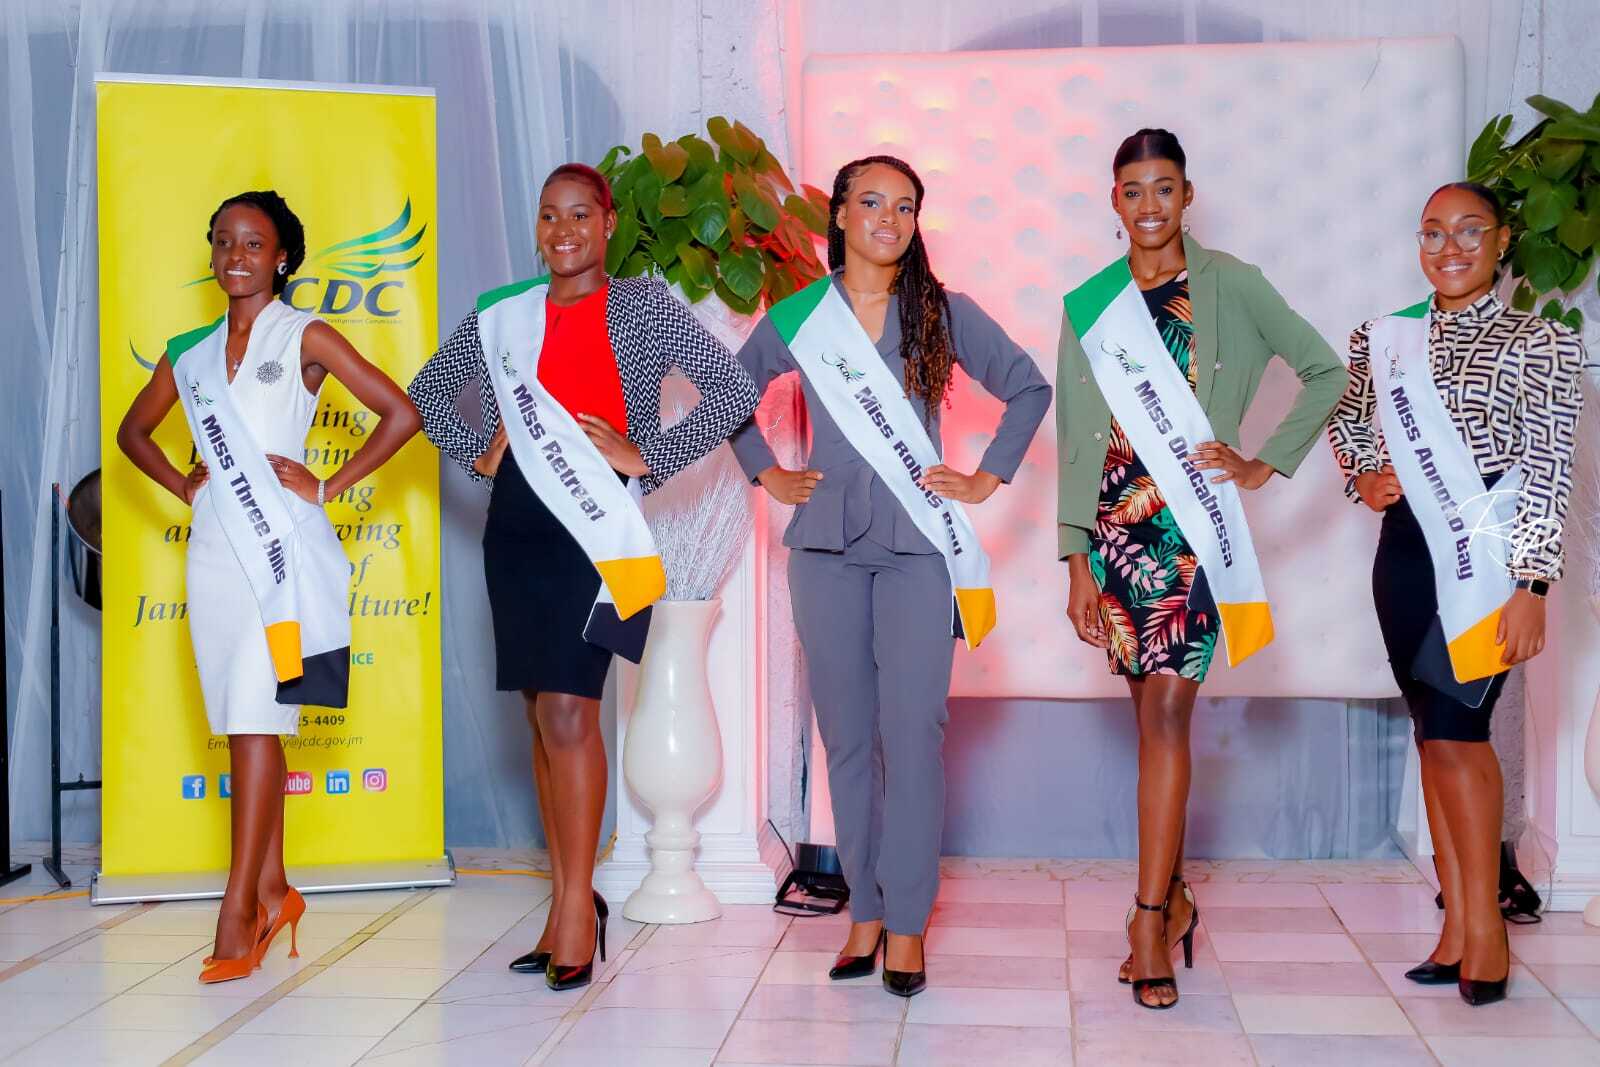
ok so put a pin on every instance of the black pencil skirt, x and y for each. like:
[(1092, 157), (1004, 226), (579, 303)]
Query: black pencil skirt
[(541, 591), (1407, 603)]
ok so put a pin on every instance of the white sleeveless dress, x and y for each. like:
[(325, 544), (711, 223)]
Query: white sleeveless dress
[(230, 644)]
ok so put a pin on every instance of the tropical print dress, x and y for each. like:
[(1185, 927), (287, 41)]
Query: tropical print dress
[(1144, 567)]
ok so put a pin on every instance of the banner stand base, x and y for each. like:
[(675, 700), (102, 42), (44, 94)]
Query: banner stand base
[(331, 878)]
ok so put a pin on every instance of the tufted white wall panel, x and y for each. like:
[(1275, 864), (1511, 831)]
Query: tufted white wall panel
[(1310, 160)]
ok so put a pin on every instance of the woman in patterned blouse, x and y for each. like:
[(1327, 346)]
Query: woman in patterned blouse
[(1510, 382), (608, 343)]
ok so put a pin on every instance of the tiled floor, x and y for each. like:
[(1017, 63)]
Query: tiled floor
[(1297, 964)]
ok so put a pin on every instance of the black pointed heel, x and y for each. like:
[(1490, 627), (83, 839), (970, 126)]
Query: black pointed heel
[(1431, 972), (562, 976), (536, 961), (1478, 992), (857, 966), (903, 983), (1141, 984)]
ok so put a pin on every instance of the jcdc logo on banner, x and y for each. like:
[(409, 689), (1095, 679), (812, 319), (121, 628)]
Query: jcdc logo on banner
[(296, 784)]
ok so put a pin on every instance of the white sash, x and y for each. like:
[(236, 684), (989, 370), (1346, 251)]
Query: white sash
[(567, 472), (1446, 493), (307, 628), (873, 412), (1156, 408)]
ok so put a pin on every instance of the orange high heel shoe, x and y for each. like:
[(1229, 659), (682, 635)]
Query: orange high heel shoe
[(231, 970), (290, 911)]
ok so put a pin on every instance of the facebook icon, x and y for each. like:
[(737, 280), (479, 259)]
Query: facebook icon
[(338, 783), (194, 787)]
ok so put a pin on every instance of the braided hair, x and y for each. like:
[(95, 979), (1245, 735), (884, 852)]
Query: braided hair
[(291, 235), (925, 342)]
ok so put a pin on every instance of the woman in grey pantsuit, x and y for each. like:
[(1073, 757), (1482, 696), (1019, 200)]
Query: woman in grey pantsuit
[(871, 594)]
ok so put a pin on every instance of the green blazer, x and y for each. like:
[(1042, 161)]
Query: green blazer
[(1240, 322)]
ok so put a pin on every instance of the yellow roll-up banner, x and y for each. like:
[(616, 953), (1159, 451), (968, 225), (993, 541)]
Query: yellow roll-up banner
[(356, 164)]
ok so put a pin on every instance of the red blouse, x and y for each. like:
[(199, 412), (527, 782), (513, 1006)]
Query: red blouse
[(577, 364)]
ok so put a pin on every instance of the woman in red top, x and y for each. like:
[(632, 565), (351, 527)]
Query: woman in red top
[(608, 343)]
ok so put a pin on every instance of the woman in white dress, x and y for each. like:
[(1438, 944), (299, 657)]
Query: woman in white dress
[(267, 577)]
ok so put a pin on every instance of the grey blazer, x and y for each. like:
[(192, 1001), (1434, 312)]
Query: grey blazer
[(850, 502)]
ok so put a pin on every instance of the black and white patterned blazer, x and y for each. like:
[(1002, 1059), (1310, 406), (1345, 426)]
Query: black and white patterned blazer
[(651, 331)]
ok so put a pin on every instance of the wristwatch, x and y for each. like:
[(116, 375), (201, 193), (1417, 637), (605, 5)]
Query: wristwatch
[(1537, 586)]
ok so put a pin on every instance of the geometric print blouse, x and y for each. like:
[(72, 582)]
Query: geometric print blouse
[(1512, 382), (651, 331)]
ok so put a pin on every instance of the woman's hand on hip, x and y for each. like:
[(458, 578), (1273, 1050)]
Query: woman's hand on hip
[(1083, 602), (1216, 456), (488, 464), (953, 485), (198, 476), (1521, 628), (1379, 489), (295, 477), (787, 486), (621, 453)]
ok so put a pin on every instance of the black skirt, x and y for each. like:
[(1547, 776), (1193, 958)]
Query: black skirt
[(541, 592), (1407, 603)]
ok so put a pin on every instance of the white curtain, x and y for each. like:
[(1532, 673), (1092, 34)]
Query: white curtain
[(521, 87)]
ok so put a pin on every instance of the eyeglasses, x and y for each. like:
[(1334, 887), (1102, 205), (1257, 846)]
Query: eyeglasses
[(1468, 239)]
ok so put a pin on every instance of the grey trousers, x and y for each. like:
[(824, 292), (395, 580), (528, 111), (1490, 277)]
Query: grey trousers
[(875, 626)]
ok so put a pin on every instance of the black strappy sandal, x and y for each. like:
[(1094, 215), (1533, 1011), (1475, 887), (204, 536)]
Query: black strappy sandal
[(1142, 984)]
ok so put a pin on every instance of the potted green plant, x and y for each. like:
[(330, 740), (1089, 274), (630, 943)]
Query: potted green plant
[(1549, 183), (717, 216)]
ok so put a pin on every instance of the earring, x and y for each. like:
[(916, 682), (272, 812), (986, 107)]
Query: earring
[(1186, 227), (283, 268), (1119, 230)]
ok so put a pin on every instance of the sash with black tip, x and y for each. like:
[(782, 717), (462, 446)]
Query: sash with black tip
[(568, 473), (1164, 421), (307, 628), (1460, 520), (872, 410)]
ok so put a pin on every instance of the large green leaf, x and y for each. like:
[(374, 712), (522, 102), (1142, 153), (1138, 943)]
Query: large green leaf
[(734, 138), (623, 241), (1557, 158), (1547, 204), (1524, 298), (664, 254), (636, 264), (742, 269), (625, 180), (758, 204), (806, 213), (1579, 231), (767, 166), (673, 231), (1580, 271), (1544, 105), (743, 305), (1521, 178), (611, 163), (647, 195), (708, 222), (1576, 129), (1546, 263), (667, 160), (698, 264), (702, 157), (1487, 146), (674, 202)]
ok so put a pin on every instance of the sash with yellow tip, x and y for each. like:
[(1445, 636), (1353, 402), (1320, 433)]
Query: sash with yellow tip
[(1164, 421), (568, 473), (1459, 519), (307, 627), (873, 412)]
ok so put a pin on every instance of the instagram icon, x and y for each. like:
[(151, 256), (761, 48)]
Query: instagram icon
[(375, 779)]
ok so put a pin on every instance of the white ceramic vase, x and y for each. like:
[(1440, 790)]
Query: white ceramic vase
[(672, 760)]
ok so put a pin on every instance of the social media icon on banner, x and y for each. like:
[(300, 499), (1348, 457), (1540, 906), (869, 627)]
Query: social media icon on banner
[(194, 787), (374, 779), (338, 783), (224, 785), (297, 784)]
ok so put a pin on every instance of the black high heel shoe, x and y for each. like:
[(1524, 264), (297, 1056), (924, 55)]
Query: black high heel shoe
[(535, 962), (857, 966), (1187, 940), (1194, 919), (1478, 992), (904, 983), (562, 976), (1431, 972)]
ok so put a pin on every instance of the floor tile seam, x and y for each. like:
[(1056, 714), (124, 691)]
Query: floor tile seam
[(71, 942), (257, 1006), (570, 1019)]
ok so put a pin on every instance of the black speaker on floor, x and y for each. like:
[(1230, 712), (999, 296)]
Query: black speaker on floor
[(815, 885)]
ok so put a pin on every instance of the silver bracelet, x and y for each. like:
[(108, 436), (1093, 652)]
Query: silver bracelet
[(322, 486)]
